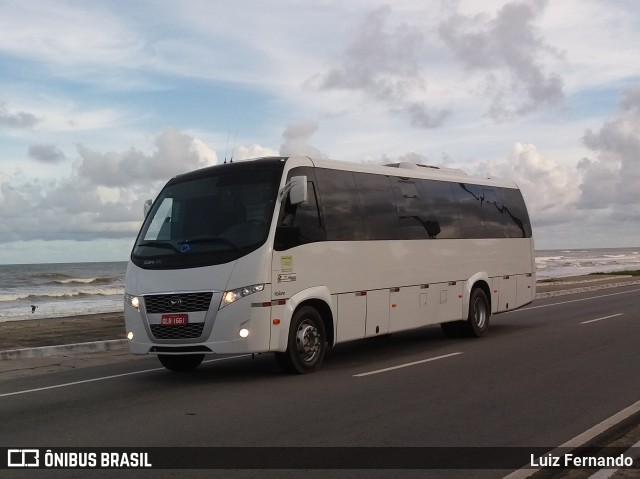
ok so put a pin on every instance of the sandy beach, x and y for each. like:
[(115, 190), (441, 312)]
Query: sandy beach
[(35, 333)]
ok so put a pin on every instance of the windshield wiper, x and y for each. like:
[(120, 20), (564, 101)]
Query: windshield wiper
[(213, 240), (160, 244), (185, 246)]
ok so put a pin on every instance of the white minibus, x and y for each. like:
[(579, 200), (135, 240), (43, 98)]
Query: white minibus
[(292, 255)]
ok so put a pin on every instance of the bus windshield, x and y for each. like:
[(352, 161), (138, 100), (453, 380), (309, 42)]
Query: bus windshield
[(208, 219)]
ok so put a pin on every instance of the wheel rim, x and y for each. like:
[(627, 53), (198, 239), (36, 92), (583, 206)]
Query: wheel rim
[(308, 340), (479, 313)]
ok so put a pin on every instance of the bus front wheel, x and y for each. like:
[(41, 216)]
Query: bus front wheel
[(183, 362), (306, 344)]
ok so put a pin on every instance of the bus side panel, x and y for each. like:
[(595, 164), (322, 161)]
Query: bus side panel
[(447, 301), (352, 313), (404, 312), (346, 268), (377, 312), (429, 304), (526, 289), (507, 288), (279, 327)]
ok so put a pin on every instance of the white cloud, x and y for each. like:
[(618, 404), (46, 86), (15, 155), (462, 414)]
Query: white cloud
[(19, 119), (383, 62), (598, 39), (67, 33), (102, 196), (46, 153), (594, 201), (295, 140), (511, 51), (86, 89), (611, 180), (12, 204), (175, 153), (254, 151), (550, 189)]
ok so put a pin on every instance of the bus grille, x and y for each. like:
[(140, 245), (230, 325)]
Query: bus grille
[(177, 303), (188, 331)]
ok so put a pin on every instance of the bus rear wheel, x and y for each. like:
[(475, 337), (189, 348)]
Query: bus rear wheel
[(306, 345), (182, 362), (477, 323)]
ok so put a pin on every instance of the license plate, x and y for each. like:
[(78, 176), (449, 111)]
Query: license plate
[(174, 319)]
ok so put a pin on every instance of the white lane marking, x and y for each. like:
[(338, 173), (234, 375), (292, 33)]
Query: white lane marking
[(633, 451), (600, 319), (104, 378), (581, 439), (378, 371), (571, 301)]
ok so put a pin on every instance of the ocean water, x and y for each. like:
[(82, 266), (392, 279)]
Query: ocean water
[(58, 290), (573, 262)]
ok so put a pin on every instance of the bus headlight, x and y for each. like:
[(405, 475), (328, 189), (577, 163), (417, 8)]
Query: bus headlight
[(134, 301), (231, 296)]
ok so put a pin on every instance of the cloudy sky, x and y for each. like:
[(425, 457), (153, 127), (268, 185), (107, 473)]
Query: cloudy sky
[(102, 102)]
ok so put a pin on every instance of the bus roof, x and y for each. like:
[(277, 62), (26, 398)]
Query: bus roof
[(406, 170), (403, 170)]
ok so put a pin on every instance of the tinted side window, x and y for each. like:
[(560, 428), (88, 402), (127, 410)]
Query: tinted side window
[(379, 211), (518, 218), (496, 222), (442, 220), (413, 209), (340, 205), (302, 223), (469, 199)]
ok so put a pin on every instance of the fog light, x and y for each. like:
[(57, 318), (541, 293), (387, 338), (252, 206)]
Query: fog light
[(243, 333), (130, 335)]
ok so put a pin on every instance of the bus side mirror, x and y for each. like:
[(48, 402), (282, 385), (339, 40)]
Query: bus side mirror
[(298, 193), (147, 207), (297, 189)]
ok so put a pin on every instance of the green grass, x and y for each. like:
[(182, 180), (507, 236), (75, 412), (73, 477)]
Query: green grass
[(619, 273)]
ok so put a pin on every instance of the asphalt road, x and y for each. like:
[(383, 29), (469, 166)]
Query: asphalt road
[(543, 375)]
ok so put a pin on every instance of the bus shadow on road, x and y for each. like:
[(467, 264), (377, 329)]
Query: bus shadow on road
[(353, 354)]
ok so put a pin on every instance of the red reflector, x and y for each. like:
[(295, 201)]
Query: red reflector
[(266, 304), (276, 321)]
